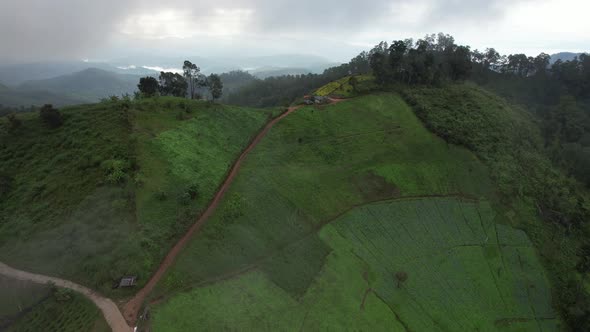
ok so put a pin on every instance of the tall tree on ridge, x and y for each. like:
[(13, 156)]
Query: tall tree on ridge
[(192, 75), (148, 86), (172, 84), (215, 86)]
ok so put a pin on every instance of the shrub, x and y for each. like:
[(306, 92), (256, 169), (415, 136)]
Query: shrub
[(184, 198), (13, 122), (401, 277), (5, 184), (62, 294), (115, 170), (161, 195), (51, 116), (193, 190)]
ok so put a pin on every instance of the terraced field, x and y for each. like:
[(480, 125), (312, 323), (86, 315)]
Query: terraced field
[(464, 273), (76, 313), (329, 208)]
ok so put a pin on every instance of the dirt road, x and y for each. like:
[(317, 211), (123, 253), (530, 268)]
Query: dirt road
[(109, 309), (117, 321), (132, 307)]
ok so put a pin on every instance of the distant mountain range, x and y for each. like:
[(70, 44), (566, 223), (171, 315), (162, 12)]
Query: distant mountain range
[(564, 56), (89, 84), (15, 74), (86, 86), (66, 83), (15, 98), (74, 82)]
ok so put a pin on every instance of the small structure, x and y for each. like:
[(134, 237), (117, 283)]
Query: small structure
[(318, 100), (128, 281)]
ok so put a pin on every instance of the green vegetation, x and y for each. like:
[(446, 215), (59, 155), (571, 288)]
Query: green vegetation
[(317, 246), (64, 311), (463, 272), (314, 165), (18, 297), (107, 192), (347, 87), (183, 163), (548, 205)]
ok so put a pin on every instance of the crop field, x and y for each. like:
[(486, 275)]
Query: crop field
[(18, 297), (313, 167), (70, 313), (344, 89), (463, 273), (328, 89), (183, 162), (107, 193)]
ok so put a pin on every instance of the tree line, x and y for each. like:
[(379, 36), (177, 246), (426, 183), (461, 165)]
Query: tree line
[(186, 85)]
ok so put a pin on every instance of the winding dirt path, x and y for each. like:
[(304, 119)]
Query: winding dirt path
[(109, 309), (132, 307), (122, 322)]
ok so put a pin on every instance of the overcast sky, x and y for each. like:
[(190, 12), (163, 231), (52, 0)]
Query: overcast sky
[(32, 30)]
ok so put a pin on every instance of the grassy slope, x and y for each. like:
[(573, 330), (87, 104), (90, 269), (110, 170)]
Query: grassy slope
[(175, 156), (74, 314), (18, 296), (65, 216), (313, 166), (464, 274), (507, 139)]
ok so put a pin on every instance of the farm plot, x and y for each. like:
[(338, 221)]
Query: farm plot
[(18, 297), (312, 166), (462, 273), (65, 312), (185, 149), (108, 192)]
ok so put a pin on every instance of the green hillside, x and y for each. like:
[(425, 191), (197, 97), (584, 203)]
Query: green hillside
[(89, 85), (330, 207), (108, 192), (409, 209), (16, 98)]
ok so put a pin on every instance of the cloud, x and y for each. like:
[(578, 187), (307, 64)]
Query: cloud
[(75, 29)]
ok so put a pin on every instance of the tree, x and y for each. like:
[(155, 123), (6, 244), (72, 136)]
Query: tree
[(193, 77), (401, 277), (460, 63), (215, 86), (491, 58), (360, 64), (541, 63), (13, 121), (172, 84), (148, 86), (51, 116), (354, 82), (397, 51)]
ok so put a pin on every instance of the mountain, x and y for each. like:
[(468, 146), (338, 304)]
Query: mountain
[(265, 72), (226, 64), (89, 85), (564, 56), (23, 98)]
